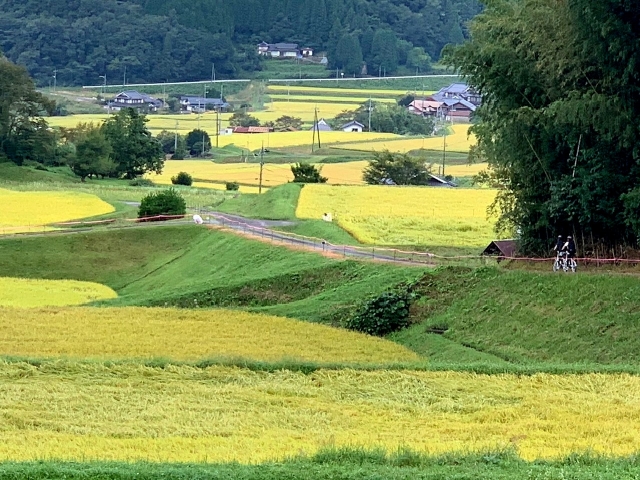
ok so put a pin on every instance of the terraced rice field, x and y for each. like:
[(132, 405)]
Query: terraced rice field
[(30, 293), (28, 211), (404, 215), (143, 333), (129, 412), (459, 141)]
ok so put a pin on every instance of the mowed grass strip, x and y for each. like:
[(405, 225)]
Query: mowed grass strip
[(29, 293), (404, 215), (183, 414), (23, 211), (184, 335)]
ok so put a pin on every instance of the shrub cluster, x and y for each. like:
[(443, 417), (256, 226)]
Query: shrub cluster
[(183, 178), (382, 315), (141, 182), (167, 202), (233, 186)]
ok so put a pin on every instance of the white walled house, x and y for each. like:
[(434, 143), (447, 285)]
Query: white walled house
[(353, 126)]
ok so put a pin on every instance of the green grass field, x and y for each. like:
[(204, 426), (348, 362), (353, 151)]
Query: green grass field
[(345, 464)]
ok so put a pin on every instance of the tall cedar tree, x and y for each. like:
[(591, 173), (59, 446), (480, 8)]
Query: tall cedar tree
[(560, 119)]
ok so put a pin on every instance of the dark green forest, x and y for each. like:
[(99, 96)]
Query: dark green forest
[(181, 40)]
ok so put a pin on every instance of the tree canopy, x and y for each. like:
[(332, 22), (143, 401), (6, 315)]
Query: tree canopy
[(24, 134), (396, 169), (559, 124), (134, 151)]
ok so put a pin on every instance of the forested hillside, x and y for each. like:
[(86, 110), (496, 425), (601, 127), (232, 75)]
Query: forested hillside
[(170, 40)]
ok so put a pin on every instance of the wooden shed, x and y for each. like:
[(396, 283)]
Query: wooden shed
[(501, 249)]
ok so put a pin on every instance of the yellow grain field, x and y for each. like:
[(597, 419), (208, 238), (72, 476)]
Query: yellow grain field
[(183, 414), (30, 293), (349, 173), (118, 333), (23, 211), (323, 99), (404, 215), (459, 141), (465, 170), (322, 91)]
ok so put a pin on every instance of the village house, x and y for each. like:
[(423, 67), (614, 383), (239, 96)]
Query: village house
[(321, 126), (200, 104), (133, 99), (352, 126), (284, 50)]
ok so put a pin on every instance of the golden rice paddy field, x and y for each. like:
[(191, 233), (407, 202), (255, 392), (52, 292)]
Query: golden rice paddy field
[(459, 141), (30, 293), (143, 333), (28, 211), (248, 173), (321, 91), (126, 412), (404, 215), (324, 99), (348, 173)]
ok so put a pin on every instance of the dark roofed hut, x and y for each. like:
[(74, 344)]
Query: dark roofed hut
[(502, 249)]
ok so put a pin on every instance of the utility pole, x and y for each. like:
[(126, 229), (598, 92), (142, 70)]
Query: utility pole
[(124, 77), (175, 142), (55, 79), (370, 110), (104, 83), (261, 167), (213, 72), (444, 150), (217, 125)]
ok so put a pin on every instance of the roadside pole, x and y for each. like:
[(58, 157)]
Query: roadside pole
[(261, 167)]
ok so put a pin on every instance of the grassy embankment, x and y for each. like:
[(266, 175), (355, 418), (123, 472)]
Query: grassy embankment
[(486, 320)]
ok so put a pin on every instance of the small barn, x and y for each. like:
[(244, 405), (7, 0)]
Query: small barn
[(501, 249), (352, 126)]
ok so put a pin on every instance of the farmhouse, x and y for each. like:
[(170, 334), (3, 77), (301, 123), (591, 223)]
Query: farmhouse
[(352, 126), (321, 126), (459, 91), (200, 104), (133, 99), (428, 108), (283, 50)]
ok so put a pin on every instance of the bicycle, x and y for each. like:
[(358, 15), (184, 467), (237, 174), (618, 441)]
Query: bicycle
[(563, 262)]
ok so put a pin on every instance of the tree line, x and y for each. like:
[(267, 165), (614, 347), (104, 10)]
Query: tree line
[(560, 119), (121, 146), (139, 41)]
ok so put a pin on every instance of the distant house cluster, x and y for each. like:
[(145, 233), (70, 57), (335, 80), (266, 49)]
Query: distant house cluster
[(147, 103), (284, 50), (133, 99), (455, 103)]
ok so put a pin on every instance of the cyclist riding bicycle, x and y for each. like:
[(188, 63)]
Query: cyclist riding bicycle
[(559, 246), (570, 247)]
